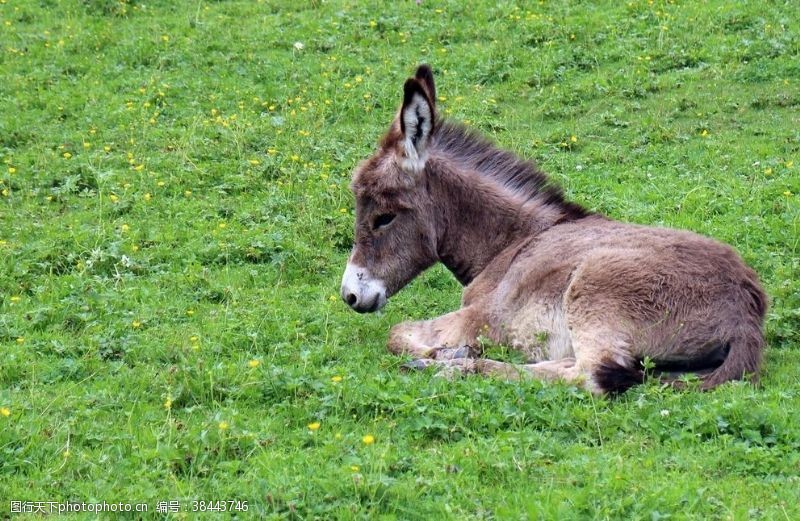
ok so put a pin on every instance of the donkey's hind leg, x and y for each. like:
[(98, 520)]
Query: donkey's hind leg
[(550, 370), (447, 337)]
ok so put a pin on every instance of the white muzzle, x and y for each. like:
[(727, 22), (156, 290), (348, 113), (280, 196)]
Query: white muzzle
[(362, 292)]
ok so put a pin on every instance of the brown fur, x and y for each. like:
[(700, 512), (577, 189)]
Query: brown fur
[(586, 298)]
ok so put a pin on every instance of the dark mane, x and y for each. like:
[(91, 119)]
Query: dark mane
[(522, 177)]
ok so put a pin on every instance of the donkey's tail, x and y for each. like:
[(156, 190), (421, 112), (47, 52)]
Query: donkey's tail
[(746, 339), (743, 360)]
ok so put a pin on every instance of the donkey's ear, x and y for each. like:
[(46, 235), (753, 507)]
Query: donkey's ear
[(417, 118), (425, 76)]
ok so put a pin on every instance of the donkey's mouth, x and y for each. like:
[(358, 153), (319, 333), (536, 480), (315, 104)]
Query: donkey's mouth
[(372, 307), (361, 292)]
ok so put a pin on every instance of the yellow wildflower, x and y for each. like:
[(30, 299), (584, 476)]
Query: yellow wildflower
[(187, 193), (313, 426), (704, 133), (354, 468), (21, 340), (252, 364), (5, 411), (336, 379), (66, 155), (136, 324), (168, 403), (114, 198), (223, 426), (368, 439), (16, 298), (12, 170), (147, 196)]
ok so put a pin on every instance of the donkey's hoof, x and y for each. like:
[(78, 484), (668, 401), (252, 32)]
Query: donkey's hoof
[(417, 365), (454, 353)]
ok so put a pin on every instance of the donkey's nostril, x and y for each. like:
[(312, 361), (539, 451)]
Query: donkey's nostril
[(351, 299)]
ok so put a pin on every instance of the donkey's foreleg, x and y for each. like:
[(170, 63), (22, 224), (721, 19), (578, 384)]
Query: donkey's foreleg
[(450, 336)]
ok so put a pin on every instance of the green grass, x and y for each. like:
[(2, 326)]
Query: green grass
[(174, 206)]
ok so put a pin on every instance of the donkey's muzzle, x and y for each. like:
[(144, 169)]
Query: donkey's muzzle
[(360, 291)]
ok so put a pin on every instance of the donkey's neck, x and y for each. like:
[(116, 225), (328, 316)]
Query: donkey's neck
[(487, 199), (477, 220)]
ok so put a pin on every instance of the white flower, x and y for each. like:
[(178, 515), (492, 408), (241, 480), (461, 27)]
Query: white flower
[(299, 46), (664, 412)]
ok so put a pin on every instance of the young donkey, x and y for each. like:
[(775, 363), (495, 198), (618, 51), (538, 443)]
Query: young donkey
[(585, 298)]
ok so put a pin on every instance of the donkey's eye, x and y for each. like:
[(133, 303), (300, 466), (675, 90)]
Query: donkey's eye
[(382, 220)]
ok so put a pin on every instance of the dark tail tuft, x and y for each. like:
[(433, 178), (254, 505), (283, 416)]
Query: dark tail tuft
[(613, 377)]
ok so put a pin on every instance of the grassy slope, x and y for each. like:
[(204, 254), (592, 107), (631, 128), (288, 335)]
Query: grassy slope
[(175, 206)]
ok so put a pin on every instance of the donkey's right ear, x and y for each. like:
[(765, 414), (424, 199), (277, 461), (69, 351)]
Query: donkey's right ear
[(425, 76), (417, 119)]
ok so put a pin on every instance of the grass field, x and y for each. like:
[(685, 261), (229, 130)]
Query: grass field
[(175, 219)]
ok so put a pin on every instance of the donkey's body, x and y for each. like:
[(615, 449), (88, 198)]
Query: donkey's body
[(585, 298)]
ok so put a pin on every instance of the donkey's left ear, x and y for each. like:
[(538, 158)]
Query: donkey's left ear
[(417, 119)]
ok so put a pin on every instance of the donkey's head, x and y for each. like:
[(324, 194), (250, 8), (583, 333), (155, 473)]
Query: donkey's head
[(395, 237)]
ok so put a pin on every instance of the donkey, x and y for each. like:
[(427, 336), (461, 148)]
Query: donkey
[(585, 298)]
